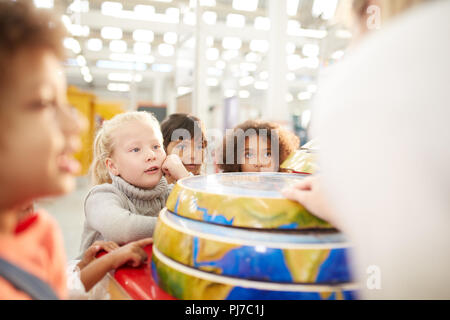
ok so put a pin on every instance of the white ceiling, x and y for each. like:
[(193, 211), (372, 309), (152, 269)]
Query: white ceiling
[(93, 76)]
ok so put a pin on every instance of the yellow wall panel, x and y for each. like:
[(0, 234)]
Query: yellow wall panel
[(84, 103)]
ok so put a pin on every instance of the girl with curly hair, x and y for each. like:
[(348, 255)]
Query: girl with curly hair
[(257, 146)]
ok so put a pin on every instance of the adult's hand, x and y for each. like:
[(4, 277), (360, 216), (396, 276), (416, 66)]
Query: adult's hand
[(309, 193)]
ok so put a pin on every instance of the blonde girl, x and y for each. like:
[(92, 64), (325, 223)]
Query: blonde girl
[(128, 173)]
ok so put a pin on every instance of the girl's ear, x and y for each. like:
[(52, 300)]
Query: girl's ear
[(111, 166)]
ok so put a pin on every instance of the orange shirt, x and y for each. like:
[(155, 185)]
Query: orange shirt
[(37, 247)]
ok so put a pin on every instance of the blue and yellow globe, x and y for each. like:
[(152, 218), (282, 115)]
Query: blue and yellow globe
[(225, 239)]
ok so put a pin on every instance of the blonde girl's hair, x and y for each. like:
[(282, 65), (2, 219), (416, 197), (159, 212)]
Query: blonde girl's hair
[(104, 142)]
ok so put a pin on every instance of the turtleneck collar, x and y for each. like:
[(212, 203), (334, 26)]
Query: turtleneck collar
[(145, 200), (134, 192)]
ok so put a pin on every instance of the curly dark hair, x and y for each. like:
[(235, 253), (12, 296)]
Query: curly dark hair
[(182, 121), (288, 142), (24, 27)]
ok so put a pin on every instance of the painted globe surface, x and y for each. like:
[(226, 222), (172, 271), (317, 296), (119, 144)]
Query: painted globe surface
[(187, 283), (249, 200), (273, 256)]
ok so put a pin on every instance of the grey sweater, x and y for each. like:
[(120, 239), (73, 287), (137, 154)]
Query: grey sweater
[(121, 212)]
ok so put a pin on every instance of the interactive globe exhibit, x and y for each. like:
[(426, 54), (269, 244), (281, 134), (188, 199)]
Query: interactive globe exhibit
[(249, 200), (303, 160), (234, 236)]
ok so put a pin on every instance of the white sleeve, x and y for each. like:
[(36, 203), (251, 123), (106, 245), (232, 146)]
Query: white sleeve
[(74, 285), (384, 134), (76, 288)]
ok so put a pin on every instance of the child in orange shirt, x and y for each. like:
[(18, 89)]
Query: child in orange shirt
[(38, 134)]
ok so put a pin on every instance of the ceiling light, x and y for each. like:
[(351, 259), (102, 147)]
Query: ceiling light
[(294, 62), (78, 30), (243, 82), (72, 44), (212, 54), (311, 33), (189, 18), (111, 33), (231, 43), (143, 35), (252, 57), (120, 87), (230, 54), (289, 97), (304, 96), (88, 78), (262, 23), (343, 34), (208, 3), (214, 72), (209, 17), (264, 75), (111, 8), (162, 67), (108, 64), (248, 66), (337, 55), (259, 45), (221, 64), (244, 94), (292, 7), (94, 44), (119, 46), (78, 6), (261, 85), (142, 11), (47, 4), (170, 37), (129, 57), (124, 77), (310, 50), (229, 93), (173, 15), (85, 71), (66, 21), (185, 63), (212, 82), (235, 20), (142, 48), (293, 27), (245, 5), (81, 61)]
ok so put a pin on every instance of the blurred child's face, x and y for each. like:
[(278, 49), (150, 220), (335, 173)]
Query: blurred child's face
[(39, 131), (257, 156), (190, 153), (138, 155)]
